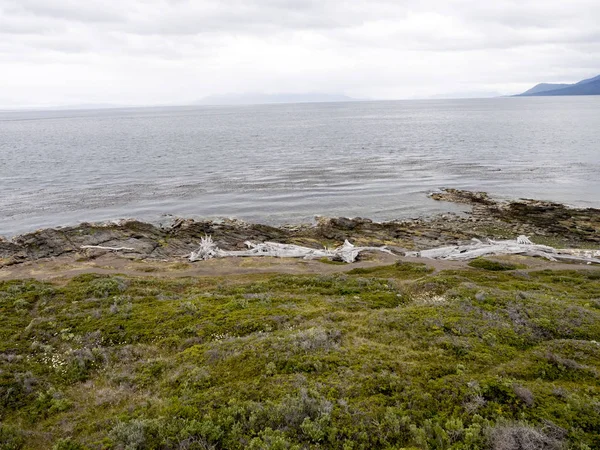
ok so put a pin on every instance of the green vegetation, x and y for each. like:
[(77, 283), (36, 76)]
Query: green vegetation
[(385, 357), (560, 242), (496, 266)]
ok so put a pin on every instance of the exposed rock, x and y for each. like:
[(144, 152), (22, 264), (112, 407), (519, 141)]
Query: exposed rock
[(45, 243), (7, 248), (488, 219), (460, 196), (533, 217)]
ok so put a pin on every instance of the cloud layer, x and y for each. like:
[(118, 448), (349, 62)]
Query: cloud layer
[(177, 51)]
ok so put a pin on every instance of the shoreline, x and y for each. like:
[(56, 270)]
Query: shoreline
[(545, 222), (102, 345)]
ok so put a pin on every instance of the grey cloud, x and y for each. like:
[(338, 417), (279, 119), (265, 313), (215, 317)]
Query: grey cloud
[(10, 27), (367, 47), (194, 17), (507, 18), (522, 13), (88, 11), (244, 17)]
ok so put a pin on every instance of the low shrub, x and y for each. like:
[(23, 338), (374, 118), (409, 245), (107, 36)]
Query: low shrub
[(495, 266)]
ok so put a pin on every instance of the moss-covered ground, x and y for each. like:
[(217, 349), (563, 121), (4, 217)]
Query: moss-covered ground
[(387, 357)]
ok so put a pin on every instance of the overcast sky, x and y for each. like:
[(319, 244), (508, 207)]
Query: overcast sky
[(56, 52)]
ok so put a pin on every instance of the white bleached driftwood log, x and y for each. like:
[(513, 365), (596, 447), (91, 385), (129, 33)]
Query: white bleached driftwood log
[(347, 252), (520, 246)]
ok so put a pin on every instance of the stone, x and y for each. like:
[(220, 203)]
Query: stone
[(174, 238)]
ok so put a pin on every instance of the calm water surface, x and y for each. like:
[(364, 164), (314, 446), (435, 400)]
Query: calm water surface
[(288, 163)]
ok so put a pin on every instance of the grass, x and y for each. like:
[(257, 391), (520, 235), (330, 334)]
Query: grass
[(386, 357)]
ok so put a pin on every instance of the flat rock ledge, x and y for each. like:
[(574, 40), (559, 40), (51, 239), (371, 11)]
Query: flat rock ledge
[(548, 222)]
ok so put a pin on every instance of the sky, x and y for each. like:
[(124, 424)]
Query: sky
[(146, 52)]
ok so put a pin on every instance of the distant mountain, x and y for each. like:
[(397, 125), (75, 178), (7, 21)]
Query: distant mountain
[(257, 99), (465, 95), (590, 86), (74, 107), (544, 87)]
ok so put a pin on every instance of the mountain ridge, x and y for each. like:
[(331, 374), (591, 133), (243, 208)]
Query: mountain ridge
[(278, 98), (589, 86)]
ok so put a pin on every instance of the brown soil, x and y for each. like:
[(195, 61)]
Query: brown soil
[(66, 267)]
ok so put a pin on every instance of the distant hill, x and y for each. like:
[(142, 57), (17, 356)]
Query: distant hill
[(590, 86), (257, 99), (544, 87), (461, 95)]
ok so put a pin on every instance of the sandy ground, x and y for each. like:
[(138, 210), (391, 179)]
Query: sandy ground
[(66, 267)]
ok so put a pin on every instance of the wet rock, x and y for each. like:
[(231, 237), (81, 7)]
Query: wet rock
[(460, 196), (531, 216)]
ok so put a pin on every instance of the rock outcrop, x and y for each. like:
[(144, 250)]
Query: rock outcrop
[(488, 219)]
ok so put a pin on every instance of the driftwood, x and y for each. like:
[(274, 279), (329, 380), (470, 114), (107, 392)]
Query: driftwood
[(521, 246), (346, 253)]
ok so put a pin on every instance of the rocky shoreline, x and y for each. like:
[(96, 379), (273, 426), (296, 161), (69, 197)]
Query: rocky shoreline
[(545, 222)]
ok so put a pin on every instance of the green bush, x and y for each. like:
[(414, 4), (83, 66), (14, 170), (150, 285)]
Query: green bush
[(384, 357), (11, 438), (495, 266), (68, 444)]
